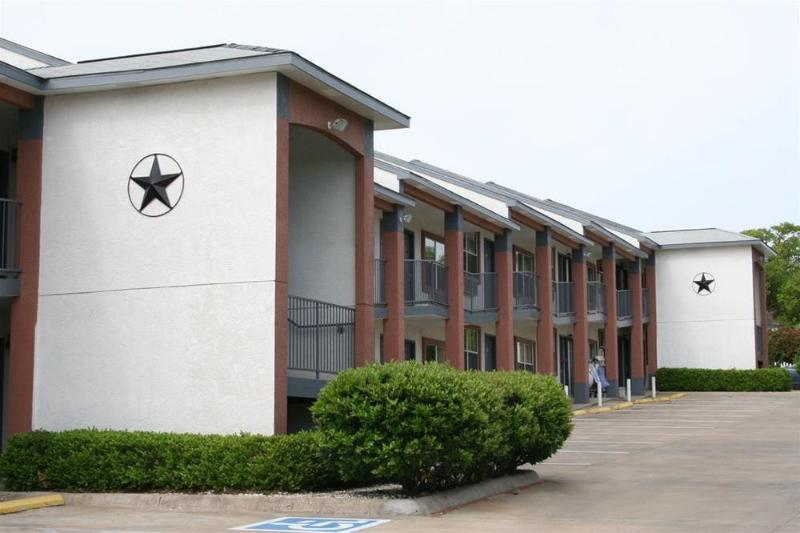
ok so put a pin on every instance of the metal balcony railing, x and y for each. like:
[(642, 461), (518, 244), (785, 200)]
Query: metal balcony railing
[(645, 302), (480, 291), (321, 336), (563, 298), (525, 290), (596, 298), (425, 282), (9, 236), (380, 282), (624, 307)]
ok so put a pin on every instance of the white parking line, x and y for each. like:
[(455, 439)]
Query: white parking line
[(609, 452), (665, 427), (617, 443)]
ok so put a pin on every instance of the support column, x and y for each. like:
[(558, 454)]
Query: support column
[(24, 308), (544, 293), (637, 332), (392, 251), (454, 258), (504, 263), (652, 324), (365, 254), (580, 335), (764, 319), (281, 325), (611, 350)]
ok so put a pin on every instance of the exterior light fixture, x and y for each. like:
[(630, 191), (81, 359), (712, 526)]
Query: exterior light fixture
[(338, 124), (407, 218)]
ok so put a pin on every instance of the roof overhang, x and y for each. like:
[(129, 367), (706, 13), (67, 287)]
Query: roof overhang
[(426, 191), (561, 232), (392, 197), (624, 247), (292, 65)]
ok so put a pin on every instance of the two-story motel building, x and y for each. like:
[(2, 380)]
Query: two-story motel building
[(198, 240)]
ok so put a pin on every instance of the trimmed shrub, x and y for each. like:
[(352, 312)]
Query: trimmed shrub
[(107, 461), (705, 379), (430, 427)]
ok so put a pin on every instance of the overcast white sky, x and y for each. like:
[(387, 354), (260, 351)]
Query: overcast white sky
[(659, 115)]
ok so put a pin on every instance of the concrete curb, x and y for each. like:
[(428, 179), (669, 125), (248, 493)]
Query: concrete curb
[(460, 496), (26, 504), (319, 504), (626, 405)]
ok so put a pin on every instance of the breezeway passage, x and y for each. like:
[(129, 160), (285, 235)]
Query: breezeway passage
[(740, 476)]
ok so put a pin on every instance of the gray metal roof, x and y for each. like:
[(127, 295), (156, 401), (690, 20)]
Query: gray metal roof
[(705, 238), (30, 53), (200, 63)]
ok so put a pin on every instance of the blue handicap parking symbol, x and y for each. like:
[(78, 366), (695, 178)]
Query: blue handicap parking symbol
[(305, 524)]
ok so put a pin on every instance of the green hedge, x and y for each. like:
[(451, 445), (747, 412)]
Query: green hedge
[(426, 427), (102, 461), (703, 379), (430, 427)]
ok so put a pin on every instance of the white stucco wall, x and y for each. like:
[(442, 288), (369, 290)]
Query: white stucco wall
[(322, 242), (710, 331), (159, 323)]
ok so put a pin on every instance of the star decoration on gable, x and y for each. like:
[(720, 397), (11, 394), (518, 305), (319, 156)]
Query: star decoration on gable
[(154, 193), (703, 283)]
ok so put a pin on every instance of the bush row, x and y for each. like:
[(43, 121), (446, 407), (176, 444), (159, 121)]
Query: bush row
[(704, 379), (102, 461), (426, 427), (430, 427)]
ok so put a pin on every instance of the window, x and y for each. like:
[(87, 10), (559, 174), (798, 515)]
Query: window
[(526, 354), (432, 248), (432, 351), (433, 274), (410, 350), (472, 348), (471, 241), (523, 261)]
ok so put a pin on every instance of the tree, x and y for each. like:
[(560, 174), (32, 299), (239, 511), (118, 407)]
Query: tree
[(783, 271)]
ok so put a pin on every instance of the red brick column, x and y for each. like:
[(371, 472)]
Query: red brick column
[(24, 308), (652, 324), (393, 270), (504, 262), (762, 278), (454, 257), (365, 260), (544, 294), (580, 332), (611, 350), (637, 328)]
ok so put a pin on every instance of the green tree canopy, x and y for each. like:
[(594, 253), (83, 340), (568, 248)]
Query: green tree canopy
[(783, 271)]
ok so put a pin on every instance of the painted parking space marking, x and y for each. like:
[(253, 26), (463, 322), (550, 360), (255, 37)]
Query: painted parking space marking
[(617, 443), (609, 452), (306, 524)]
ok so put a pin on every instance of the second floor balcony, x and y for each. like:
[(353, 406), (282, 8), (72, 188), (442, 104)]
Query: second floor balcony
[(563, 298), (524, 295), (480, 291), (425, 283), (596, 297), (624, 304)]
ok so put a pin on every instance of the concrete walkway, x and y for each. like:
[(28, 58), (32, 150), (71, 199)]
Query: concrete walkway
[(711, 462)]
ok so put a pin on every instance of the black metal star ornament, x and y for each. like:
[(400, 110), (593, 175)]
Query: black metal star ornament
[(154, 185), (704, 283)]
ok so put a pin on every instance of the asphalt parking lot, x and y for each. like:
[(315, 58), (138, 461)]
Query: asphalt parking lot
[(714, 462)]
